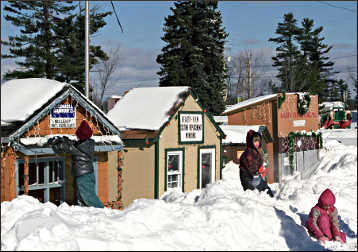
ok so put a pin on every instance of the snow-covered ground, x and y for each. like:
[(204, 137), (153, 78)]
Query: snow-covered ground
[(220, 217)]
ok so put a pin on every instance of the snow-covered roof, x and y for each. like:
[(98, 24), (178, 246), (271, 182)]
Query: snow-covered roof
[(237, 133), (20, 98), (221, 119), (145, 108), (331, 105), (249, 102), (255, 100), (116, 96)]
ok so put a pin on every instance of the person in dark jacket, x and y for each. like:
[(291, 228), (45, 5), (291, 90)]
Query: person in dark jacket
[(250, 163), (82, 152)]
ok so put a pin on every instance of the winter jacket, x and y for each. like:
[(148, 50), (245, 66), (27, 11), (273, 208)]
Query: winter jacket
[(82, 152), (326, 198), (251, 160)]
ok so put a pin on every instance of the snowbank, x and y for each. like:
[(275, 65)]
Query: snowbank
[(220, 217)]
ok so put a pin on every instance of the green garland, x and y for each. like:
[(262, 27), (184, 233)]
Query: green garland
[(281, 99), (291, 143), (304, 104)]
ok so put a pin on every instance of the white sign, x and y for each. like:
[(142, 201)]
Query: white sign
[(191, 127), (63, 116), (299, 123)]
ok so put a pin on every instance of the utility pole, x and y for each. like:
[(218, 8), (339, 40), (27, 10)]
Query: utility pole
[(249, 75), (87, 49)]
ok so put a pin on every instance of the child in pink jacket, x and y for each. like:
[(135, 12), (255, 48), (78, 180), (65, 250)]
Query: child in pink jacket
[(323, 219)]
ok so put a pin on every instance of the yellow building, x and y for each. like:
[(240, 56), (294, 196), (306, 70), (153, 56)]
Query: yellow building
[(170, 142)]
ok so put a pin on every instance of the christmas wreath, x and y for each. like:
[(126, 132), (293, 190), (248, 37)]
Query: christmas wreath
[(303, 103), (281, 99)]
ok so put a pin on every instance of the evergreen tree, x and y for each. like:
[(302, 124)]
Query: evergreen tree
[(320, 63), (301, 59), (36, 44), (287, 58), (194, 54), (52, 40), (71, 47)]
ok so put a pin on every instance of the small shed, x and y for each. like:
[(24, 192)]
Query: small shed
[(170, 142), (32, 111), (284, 115), (235, 142)]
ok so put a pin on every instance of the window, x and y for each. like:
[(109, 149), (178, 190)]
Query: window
[(46, 179), (174, 170)]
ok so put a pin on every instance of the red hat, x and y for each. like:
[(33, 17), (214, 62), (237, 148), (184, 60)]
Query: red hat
[(84, 131)]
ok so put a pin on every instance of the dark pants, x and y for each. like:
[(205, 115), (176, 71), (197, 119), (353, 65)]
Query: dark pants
[(246, 182), (86, 193)]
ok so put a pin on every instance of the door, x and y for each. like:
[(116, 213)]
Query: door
[(207, 166)]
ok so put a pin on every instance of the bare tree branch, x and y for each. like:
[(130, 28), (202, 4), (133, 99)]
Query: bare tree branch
[(105, 70)]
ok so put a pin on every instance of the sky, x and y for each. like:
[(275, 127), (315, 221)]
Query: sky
[(219, 217), (249, 24)]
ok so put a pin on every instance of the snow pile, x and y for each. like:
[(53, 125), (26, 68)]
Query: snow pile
[(219, 217)]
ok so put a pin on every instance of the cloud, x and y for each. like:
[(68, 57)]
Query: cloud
[(342, 46), (251, 41)]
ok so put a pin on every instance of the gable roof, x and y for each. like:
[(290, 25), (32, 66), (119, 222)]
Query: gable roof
[(146, 108), (249, 102), (26, 101)]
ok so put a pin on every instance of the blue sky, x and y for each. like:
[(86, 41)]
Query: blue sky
[(249, 23)]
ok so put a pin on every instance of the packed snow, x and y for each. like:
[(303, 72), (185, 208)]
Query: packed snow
[(20, 98), (151, 103), (219, 217)]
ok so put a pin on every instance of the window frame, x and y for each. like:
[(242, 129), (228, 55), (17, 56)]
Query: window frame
[(181, 153), (46, 185)]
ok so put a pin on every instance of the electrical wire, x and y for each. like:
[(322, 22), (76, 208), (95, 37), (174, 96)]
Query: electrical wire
[(338, 7)]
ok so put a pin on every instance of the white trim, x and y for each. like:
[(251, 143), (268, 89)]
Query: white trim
[(213, 167), (180, 172)]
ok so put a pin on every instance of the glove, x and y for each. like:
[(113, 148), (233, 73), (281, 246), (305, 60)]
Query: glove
[(262, 171), (53, 140), (323, 239), (338, 238)]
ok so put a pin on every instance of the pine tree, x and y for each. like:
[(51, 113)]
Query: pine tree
[(71, 47), (194, 54), (321, 64), (36, 42), (51, 41), (287, 58)]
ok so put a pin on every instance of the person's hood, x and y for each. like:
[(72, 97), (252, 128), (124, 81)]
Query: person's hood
[(327, 198), (249, 138)]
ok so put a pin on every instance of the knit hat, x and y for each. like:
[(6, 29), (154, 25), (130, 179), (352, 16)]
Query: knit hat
[(84, 131)]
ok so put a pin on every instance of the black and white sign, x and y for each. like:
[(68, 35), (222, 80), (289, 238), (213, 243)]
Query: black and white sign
[(63, 116), (191, 127)]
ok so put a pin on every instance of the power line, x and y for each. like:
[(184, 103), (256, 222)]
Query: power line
[(338, 7)]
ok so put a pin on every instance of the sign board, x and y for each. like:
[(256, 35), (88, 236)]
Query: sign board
[(299, 123), (63, 116), (191, 127)]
